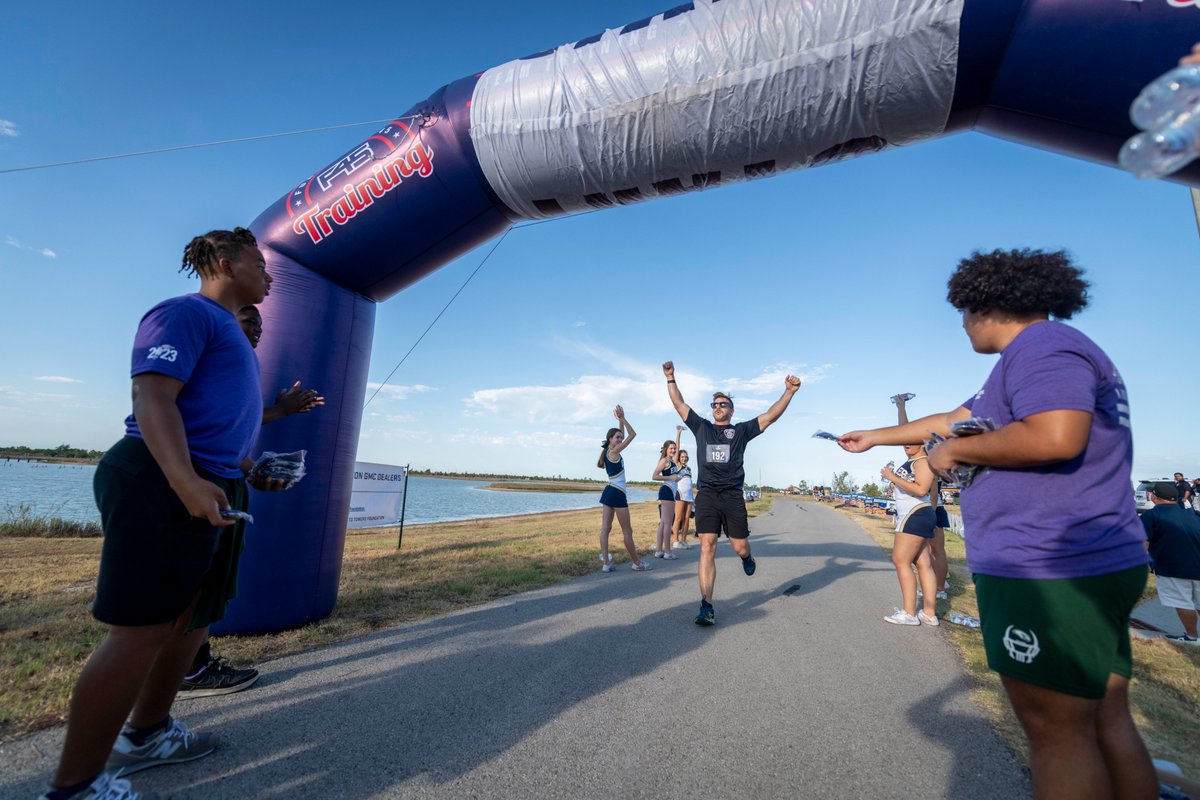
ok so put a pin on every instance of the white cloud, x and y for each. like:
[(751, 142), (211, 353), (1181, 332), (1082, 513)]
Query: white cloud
[(554, 440), (8, 128), (57, 379), (42, 251), (636, 385), (396, 392), (579, 324)]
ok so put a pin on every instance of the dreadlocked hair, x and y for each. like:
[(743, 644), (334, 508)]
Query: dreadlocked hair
[(201, 255)]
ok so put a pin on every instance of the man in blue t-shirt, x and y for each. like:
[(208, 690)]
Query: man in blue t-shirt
[(720, 504), (1056, 581), (168, 494), (1173, 535)]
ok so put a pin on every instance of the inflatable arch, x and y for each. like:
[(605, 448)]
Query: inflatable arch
[(701, 95)]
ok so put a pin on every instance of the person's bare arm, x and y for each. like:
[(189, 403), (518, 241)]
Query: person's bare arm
[(790, 384), (292, 400), (1046, 438), (161, 425), (922, 474), (681, 407), (915, 432), (658, 471)]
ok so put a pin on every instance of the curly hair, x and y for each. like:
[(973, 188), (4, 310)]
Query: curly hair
[(201, 254), (1019, 282)]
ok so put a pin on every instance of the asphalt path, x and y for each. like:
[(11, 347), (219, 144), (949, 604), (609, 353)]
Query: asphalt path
[(602, 687)]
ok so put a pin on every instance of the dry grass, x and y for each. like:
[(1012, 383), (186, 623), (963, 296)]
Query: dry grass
[(47, 587), (1164, 693)]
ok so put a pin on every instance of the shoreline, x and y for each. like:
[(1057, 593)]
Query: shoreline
[(494, 517)]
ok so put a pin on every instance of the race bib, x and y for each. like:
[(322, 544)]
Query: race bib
[(718, 454)]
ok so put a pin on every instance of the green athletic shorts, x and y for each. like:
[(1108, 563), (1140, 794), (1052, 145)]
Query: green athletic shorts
[(1067, 635)]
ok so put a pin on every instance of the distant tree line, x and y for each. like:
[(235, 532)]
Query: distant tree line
[(62, 451)]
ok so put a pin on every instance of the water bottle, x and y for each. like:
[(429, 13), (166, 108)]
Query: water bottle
[(957, 619), (1167, 96), (905, 397), (1168, 111), (1157, 153)]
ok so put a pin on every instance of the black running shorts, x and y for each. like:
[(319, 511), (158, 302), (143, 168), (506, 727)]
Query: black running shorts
[(156, 556), (722, 512)]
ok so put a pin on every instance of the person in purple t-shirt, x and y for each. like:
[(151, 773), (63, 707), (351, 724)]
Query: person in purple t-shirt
[(166, 492), (1053, 539)]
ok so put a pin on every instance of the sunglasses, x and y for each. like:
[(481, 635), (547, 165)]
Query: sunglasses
[(722, 404)]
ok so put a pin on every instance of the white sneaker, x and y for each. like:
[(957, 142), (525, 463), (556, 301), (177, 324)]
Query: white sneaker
[(901, 617), (670, 556), (606, 564), (942, 595), (659, 554), (925, 619), (106, 787)]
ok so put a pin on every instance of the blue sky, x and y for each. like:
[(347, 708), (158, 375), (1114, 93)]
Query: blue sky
[(837, 274)]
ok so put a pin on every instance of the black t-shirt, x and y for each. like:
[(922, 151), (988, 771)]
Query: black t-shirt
[(1174, 535), (1182, 487), (719, 449)]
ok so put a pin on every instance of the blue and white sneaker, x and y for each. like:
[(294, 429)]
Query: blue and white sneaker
[(707, 615)]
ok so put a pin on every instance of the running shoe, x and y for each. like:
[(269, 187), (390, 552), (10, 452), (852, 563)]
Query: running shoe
[(174, 744), (926, 619), (1183, 638), (707, 615), (645, 566), (216, 678), (106, 787), (670, 556), (942, 595), (678, 545), (749, 565), (901, 617), (658, 554)]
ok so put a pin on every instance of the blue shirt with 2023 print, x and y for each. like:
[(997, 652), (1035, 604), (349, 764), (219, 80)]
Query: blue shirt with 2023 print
[(199, 342), (1070, 519)]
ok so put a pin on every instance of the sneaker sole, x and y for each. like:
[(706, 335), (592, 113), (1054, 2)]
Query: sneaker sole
[(184, 694), (912, 624), (121, 770), (705, 622)]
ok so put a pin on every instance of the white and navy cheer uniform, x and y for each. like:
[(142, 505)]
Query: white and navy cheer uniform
[(913, 514), (613, 495), (667, 490), (684, 487)]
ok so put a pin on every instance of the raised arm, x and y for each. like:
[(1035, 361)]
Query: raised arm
[(915, 432), (619, 413), (681, 407), (790, 384)]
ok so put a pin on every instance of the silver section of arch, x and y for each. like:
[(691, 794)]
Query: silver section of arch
[(723, 91)]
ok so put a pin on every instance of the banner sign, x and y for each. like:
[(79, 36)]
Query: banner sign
[(377, 496)]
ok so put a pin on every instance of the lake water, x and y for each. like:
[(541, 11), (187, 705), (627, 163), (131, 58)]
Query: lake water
[(65, 490)]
